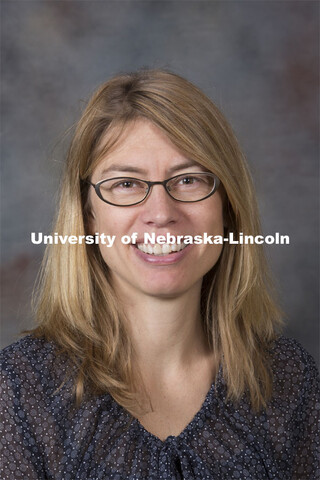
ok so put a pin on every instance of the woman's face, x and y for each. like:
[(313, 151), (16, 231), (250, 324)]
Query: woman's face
[(146, 153)]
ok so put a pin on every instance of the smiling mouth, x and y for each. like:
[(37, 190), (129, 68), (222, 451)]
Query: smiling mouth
[(158, 250)]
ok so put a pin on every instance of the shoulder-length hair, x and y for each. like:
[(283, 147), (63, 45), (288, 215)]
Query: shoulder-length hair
[(76, 305)]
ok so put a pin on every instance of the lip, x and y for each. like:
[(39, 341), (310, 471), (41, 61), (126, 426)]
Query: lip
[(169, 259), (141, 238)]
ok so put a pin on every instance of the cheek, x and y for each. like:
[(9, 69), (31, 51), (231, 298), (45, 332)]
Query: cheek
[(110, 222), (211, 217), (103, 219), (212, 225)]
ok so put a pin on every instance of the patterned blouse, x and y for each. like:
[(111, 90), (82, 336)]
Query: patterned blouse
[(45, 437)]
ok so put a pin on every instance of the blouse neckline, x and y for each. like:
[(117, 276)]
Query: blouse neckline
[(137, 428), (175, 438)]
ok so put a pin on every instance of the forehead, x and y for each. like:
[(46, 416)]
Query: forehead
[(140, 145)]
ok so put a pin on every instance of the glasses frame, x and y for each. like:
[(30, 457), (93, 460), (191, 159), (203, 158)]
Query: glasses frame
[(151, 184)]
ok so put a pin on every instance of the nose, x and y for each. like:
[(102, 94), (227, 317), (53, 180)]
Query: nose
[(159, 209)]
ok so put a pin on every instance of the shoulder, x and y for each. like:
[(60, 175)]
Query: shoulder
[(33, 361), (289, 354), (28, 346), (28, 349), (295, 373)]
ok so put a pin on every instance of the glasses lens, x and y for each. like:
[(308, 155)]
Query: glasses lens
[(191, 187), (123, 191)]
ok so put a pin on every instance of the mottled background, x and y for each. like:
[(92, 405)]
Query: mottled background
[(257, 59)]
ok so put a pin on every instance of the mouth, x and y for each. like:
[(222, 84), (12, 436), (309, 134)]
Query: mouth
[(160, 249)]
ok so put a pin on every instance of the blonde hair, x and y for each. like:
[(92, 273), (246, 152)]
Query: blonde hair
[(77, 307)]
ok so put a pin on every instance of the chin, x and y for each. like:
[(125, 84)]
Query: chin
[(164, 293), (166, 289)]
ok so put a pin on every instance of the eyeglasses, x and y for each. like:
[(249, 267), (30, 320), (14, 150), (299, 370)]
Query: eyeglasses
[(128, 191)]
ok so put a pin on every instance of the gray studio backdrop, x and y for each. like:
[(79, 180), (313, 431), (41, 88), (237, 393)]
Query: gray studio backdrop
[(258, 60)]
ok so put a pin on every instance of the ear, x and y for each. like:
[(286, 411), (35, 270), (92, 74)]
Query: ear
[(89, 217), (90, 220), (226, 216), (225, 207)]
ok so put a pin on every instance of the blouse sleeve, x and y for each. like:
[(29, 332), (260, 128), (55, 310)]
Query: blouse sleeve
[(307, 453), (19, 457), (31, 440)]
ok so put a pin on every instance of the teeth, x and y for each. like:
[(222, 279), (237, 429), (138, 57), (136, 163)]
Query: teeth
[(166, 248), (158, 249)]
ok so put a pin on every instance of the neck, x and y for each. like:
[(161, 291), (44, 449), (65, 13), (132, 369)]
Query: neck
[(167, 334)]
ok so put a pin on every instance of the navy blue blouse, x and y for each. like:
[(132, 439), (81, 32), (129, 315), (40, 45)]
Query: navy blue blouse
[(46, 437)]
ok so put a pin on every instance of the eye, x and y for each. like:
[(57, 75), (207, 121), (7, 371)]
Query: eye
[(123, 185), (126, 184), (189, 180)]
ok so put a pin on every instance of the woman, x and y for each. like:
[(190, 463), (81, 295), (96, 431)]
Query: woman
[(157, 361)]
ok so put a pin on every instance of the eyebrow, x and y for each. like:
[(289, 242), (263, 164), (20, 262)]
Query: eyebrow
[(133, 169)]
